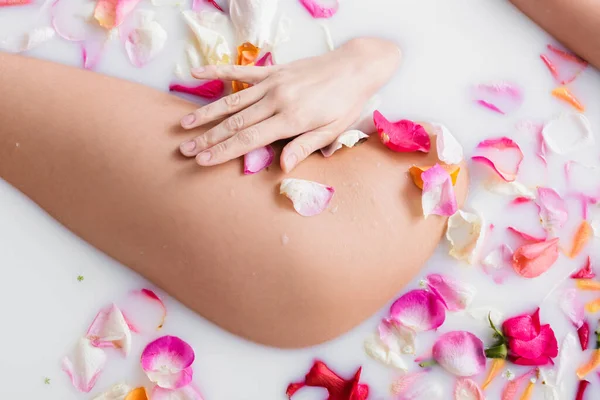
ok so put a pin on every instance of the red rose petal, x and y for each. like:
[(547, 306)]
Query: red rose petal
[(584, 335), (403, 135)]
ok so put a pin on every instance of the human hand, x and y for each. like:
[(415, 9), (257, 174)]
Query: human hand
[(315, 99)]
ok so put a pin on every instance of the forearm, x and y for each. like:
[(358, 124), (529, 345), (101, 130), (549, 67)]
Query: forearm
[(576, 23)]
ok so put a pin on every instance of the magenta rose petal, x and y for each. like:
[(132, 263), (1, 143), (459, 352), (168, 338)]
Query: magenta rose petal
[(455, 295), (258, 159), (585, 272), (209, 90), (418, 310), (167, 362), (502, 154), (403, 135), (460, 353), (318, 10)]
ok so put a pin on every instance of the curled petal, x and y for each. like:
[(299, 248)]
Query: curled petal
[(213, 45), (396, 336), (258, 159), (510, 189), (417, 386), (553, 209), (189, 392), (318, 10), (418, 310), (563, 65), (568, 133), (438, 196), (167, 362), (416, 172), (582, 237), (109, 329), (585, 272), (501, 97), (589, 366), (85, 365), (532, 260), (466, 233), (144, 311), (527, 236), (572, 307), (460, 353), (448, 149), (454, 294), (402, 136), (348, 139), (111, 13), (537, 351), (116, 392), (563, 93), (388, 355), (525, 327), (583, 332), (581, 388), (253, 20), (265, 61), (466, 389), (145, 39), (503, 155), (338, 388), (208, 90), (28, 40), (309, 198)]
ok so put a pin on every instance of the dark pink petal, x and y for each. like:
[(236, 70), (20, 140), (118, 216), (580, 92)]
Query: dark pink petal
[(525, 327), (585, 272), (563, 65), (526, 236), (208, 90), (503, 155), (438, 195), (265, 61), (583, 332), (455, 295), (543, 345), (320, 11), (6, 3), (258, 159), (553, 209), (581, 388), (533, 259), (500, 97), (167, 362), (460, 353), (403, 135), (418, 310)]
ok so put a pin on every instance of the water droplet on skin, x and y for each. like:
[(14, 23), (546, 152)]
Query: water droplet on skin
[(355, 184), (333, 209), (285, 239), (378, 164), (17, 144), (232, 193)]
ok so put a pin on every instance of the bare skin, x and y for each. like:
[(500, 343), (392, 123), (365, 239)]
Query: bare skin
[(103, 159)]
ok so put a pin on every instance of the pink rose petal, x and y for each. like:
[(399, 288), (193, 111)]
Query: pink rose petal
[(397, 336), (111, 13), (418, 310), (438, 193), (466, 389), (501, 97), (532, 352), (553, 209), (265, 61), (563, 65), (513, 387), (455, 295), (144, 37), (497, 261), (402, 136), (309, 198), (572, 307), (585, 272), (532, 260), (526, 236), (6, 3), (417, 386), (258, 159), (144, 311), (109, 329), (503, 155), (167, 362), (318, 10), (460, 353), (208, 90), (85, 365), (189, 392)]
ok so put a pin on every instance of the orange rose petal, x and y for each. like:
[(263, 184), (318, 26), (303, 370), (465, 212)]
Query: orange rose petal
[(416, 171), (587, 284), (247, 55), (590, 365), (564, 94), (497, 365), (582, 237), (137, 394), (593, 306), (528, 391)]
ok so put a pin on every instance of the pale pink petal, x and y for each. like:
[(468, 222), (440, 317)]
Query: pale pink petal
[(460, 353), (116, 392), (563, 65), (167, 362), (448, 149), (497, 261), (318, 10), (418, 310), (417, 386), (568, 133), (553, 209), (258, 159), (438, 196), (503, 155), (397, 337), (109, 329), (466, 234), (515, 385), (85, 365), (466, 389), (189, 392), (500, 97), (28, 40), (455, 295), (348, 139), (309, 198), (171, 380), (572, 307), (144, 38), (144, 311), (208, 90), (111, 13), (402, 136)]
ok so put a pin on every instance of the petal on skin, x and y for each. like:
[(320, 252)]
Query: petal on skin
[(380, 351), (568, 133), (563, 65), (116, 392), (417, 386), (416, 172), (144, 39), (266, 60), (258, 159), (144, 311), (532, 260), (512, 387), (500, 97), (563, 93), (460, 353), (85, 365), (309, 198), (527, 236), (466, 233), (553, 209), (348, 139), (525, 327), (509, 188), (111, 13), (167, 362), (582, 236), (253, 20), (572, 307), (455, 295), (208, 90), (585, 272), (448, 149), (213, 45), (418, 310), (318, 10), (502, 154), (403, 135), (109, 329), (189, 392), (28, 40), (466, 389), (438, 196)]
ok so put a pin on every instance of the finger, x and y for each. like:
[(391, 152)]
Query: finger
[(223, 107), (251, 138), (252, 115), (243, 73), (304, 145)]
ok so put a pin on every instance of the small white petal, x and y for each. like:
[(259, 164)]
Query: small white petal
[(448, 148), (466, 233), (567, 133)]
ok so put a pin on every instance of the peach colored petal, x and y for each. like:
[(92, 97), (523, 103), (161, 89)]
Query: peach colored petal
[(580, 240), (415, 173), (532, 260), (438, 195), (563, 93)]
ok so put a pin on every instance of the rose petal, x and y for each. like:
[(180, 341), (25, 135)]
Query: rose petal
[(583, 332), (460, 353), (509, 189), (213, 45), (466, 233), (196, 4), (403, 135), (265, 61), (109, 329), (417, 386), (512, 387), (571, 306), (144, 39), (527, 236), (438, 196), (501, 97), (116, 392), (258, 159), (455, 295), (563, 65), (534, 128), (416, 171), (564, 94), (582, 236), (247, 54), (111, 13), (553, 209), (328, 38), (309, 198), (6, 3), (208, 90), (318, 10), (253, 20), (532, 260), (189, 392), (85, 365), (28, 40), (448, 149), (138, 393), (397, 337), (497, 261), (503, 155), (348, 139), (525, 327), (418, 310), (537, 351), (388, 355), (167, 362), (568, 133), (585, 272), (144, 311), (587, 284), (466, 389)]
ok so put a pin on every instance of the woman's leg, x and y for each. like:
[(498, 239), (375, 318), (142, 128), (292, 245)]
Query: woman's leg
[(101, 156)]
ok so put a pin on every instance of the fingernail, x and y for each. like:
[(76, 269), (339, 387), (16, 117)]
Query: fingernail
[(290, 161), (187, 147), (203, 158), (188, 120), (198, 70)]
